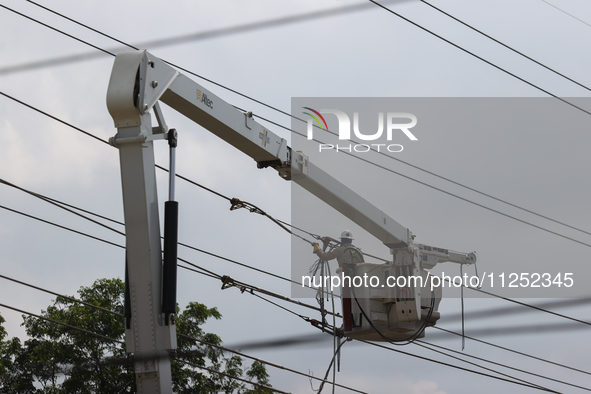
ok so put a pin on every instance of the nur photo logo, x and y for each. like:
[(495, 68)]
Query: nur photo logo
[(389, 125)]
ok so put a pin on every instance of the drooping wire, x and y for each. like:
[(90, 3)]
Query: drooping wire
[(567, 13), (450, 365), (364, 160), (422, 343), (331, 364), (479, 57), (267, 362), (443, 191), (62, 324), (120, 315), (391, 157), (229, 376), (268, 273), (518, 302), (516, 380), (505, 45), (512, 350)]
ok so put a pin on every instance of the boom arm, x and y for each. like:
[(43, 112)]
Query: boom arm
[(156, 80)]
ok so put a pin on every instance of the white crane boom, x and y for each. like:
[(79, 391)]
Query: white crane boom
[(138, 81)]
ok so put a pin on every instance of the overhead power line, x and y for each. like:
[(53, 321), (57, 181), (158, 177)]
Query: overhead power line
[(226, 349), (229, 376), (441, 190), (421, 343), (444, 363), (347, 153), (569, 14), (505, 45), (453, 366), (510, 350), (283, 112), (62, 324), (496, 312), (99, 308), (233, 261), (480, 57), (188, 38)]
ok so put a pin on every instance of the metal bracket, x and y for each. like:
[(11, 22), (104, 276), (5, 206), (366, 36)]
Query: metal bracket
[(142, 137)]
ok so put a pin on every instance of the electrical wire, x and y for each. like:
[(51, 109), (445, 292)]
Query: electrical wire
[(359, 158), (450, 365), (569, 14), (263, 361), (271, 302), (99, 308), (99, 223), (210, 273), (267, 362), (495, 312), (229, 376), (285, 113), (479, 57), (519, 302), (414, 339), (449, 180), (62, 324), (121, 315), (512, 350), (422, 343), (268, 273), (187, 38), (330, 366), (62, 227), (441, 190), (505, 45)]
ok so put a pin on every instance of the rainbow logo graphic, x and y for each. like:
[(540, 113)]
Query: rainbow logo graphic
[(316, 119)]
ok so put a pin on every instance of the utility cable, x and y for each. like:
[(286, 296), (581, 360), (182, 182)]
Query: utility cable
[(120, 315), (57, 30), (423, 343), (277, 276), (519, 302), (563, 11), (439, 189), (61, 296), (285, 113), (505, 45), (450, 365), (261, 297), (414, 339), (266, 362), (63, 227), (192, 37), (210, 273), (62, 324), (357, 157), (480, 57), (330, 366), (512, 350), (229, 376), (245, 265), (449, 180), (530, 384), (51, 201)]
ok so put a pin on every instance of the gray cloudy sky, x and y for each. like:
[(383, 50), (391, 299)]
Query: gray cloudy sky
[(370, 53)]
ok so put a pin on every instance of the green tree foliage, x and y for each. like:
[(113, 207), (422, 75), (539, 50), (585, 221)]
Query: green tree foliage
[(59, 359)]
